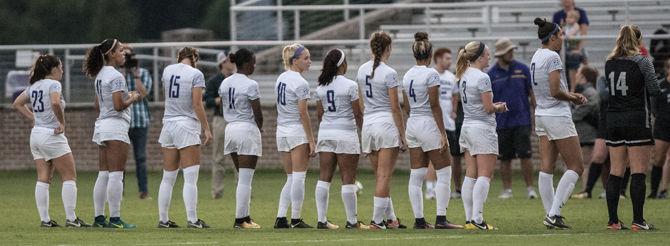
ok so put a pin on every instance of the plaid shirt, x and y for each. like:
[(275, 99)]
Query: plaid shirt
[(140, 110)]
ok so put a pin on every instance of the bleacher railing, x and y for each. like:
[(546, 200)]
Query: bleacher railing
[(486, 11), (78, 89)]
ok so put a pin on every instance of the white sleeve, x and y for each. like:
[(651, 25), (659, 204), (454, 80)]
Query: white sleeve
[(353, 92), (554, 63), (484, 84), (391, 80), (302, 91), (252, 92), (199, 80), (118, 84)]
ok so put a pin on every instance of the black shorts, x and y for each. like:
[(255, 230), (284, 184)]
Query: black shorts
[(514, 143), (629, 136), (662, 129), (453, 136)]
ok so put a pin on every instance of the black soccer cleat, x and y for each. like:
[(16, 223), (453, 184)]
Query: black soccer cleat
[(200, 224), (422, 224), (282, 223), (50, 223), (76, 223), (168, 224), (300, 224), (555, 222)]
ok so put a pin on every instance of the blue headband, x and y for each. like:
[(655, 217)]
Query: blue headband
[(556, 28), (297, 53)]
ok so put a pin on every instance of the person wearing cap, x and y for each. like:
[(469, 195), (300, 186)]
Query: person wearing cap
[(140, 120), (511, 84), (213, 101)]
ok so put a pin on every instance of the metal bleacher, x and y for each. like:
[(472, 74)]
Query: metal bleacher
[(516, 20), (450, 24)]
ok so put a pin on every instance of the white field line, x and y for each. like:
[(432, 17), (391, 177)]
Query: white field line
[(390, 238)]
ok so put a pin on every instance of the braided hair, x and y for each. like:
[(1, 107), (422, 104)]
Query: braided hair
[(190, 53), (379, 42)]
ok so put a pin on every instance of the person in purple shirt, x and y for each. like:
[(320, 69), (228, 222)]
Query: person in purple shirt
[(510, 81), (575, 54), (561, 15)]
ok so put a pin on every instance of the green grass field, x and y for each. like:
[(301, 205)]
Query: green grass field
[(519, 219)]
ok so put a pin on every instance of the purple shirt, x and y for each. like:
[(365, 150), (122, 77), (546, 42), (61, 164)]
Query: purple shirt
[(559, 17), (513, 87)]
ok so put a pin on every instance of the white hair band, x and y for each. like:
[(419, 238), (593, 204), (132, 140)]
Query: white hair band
[(339, 63)]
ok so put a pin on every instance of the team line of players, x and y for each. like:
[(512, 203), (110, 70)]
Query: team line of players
[(344, 107)]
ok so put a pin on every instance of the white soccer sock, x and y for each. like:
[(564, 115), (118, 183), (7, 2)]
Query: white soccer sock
[(430, 185), (321, 196), (380, 207), (479, 194), (466, 195), (390, 211), (69, 196), (285, 197), (297, 194), (545, 184), (243, 192), (165, 194), (416, 178), (115, 193), (100, 192), (190, 192), (42, 200), (443, 190), (563, 191), (350, 202)]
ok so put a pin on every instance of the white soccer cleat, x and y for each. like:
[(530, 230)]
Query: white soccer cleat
[(506, 194), (359, 187)]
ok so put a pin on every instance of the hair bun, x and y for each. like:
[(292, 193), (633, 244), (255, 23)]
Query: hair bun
[(421, 36), (540, 22), (232, 57)]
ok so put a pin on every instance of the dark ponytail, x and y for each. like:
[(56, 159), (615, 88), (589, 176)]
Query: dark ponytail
[(379, 42), (422, 48), (241, 57), (96, 56), (43, 66), (545, 29), (330, 67)]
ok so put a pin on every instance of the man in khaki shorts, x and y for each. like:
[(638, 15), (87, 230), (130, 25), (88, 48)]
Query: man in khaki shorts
[(213, 101)]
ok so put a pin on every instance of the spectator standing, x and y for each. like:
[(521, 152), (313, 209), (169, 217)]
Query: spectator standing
[(572, 58), (511, 84), (586, 118), (140, 120), (213, 101)]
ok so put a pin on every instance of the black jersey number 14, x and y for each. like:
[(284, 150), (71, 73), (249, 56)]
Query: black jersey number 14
[(618, 83)]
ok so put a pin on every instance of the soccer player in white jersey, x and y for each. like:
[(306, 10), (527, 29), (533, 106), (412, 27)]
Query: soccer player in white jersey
[(479, 139), (183, 121), (240, 101), (383, 131), (450, 106), (421, 94), (553, 123), (340, 116), (48, 143), (295, 140), (111, 127)]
